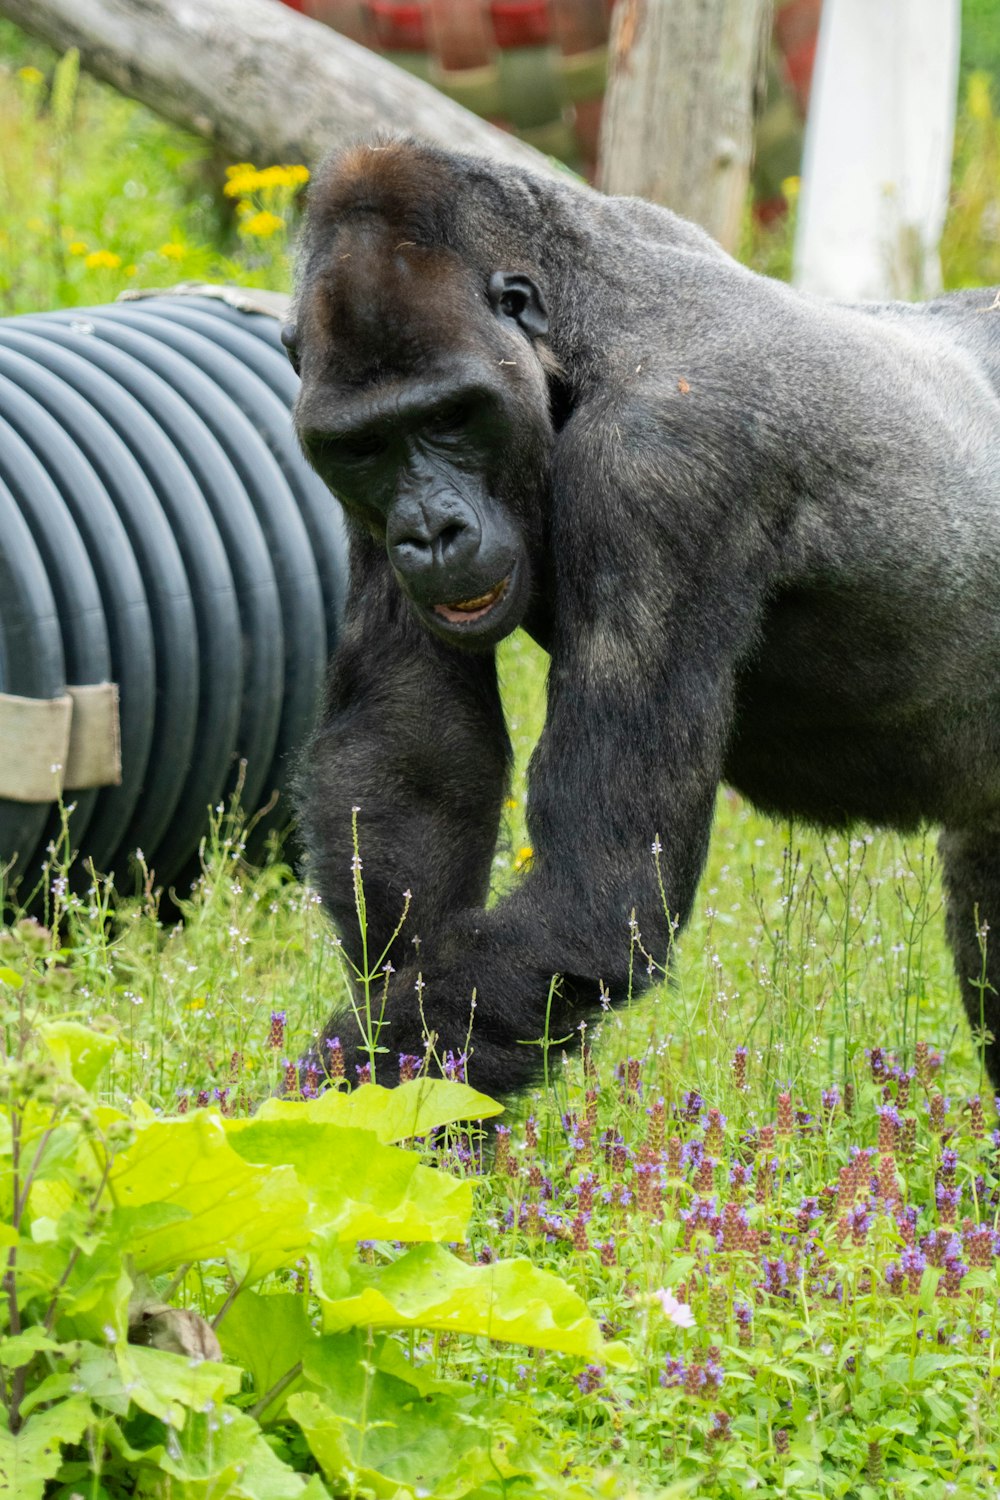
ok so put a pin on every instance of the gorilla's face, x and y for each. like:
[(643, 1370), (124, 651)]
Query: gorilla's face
[(424, 406)]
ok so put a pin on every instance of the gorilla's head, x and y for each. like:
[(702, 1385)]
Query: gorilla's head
[(425, 401)]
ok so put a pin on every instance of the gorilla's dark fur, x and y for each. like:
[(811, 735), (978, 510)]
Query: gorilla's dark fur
[(758, 534)]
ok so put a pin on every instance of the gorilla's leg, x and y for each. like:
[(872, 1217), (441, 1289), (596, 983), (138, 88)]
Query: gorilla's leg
[(971, 869)]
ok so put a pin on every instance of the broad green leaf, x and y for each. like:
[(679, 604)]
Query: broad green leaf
[(912, 1372), (21, 1347), (52, 1388), (126, 1225), (358, 1189), (942, 1411), (78, 1052), (92, 1299), (231, 1207), (328, 1436), (412, 1109), (510, 1300), (11, 977), (390, 1360), (376, 1429), (33, 1455), (167, 1385), (331, 1263), (267, 1335), (224, 1456), (99, 1376), (58, 1162), (261, 1475)]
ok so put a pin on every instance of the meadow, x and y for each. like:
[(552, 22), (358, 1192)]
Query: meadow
[(745, 1237)]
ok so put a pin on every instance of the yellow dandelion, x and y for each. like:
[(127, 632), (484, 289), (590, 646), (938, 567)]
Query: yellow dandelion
[(198, 1003), (244, 178), (242, 183), (32, 76), (173, 250), (102, 260), (262, 224), (511, 804), (77, 247), (790, 188), (523, 857)]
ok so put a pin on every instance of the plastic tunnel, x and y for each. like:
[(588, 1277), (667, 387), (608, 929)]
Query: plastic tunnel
[(171, 577)]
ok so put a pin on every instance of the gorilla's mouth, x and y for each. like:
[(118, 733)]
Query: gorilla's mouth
[(466, 610)]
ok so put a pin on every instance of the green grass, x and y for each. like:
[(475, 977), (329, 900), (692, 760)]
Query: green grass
[(807, 1372)]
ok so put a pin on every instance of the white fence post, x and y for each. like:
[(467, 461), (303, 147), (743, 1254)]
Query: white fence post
[(877, 158)]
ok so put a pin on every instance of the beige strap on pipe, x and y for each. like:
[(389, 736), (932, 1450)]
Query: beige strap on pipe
[(53, 745)]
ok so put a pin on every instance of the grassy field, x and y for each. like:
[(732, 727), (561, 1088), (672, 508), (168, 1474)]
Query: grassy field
[(775, 1180)]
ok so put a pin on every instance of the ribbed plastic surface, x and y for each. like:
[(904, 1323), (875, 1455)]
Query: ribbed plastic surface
[(159, 528)]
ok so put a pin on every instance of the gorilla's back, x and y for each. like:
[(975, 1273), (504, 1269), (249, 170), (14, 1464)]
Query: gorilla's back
[(971, 319), (876, 684)]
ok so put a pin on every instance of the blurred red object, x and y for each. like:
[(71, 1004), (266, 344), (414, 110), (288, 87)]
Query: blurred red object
[(796, 29), (461, 34), (521, 23), (398, 27), (580, 25)]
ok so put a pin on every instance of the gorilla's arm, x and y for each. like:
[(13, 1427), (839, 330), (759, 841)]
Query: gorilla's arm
[(650, 621), (414, 738)]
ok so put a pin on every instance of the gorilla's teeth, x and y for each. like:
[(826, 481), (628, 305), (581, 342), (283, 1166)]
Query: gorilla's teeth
[(483, 599), (471, 609)]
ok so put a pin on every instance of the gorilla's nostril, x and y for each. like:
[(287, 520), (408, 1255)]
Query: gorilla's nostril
[(450, 535), (412, 555)]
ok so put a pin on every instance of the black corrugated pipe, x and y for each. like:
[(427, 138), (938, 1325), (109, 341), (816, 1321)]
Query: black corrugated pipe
[(171, 576)]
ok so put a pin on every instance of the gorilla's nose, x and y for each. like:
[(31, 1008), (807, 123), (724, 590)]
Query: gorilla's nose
[(425, 538)]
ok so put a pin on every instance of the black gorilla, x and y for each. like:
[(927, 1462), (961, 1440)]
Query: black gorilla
[(758, 534)]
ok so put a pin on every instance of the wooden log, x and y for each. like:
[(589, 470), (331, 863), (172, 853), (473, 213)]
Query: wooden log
[(679, 110), (261, 81)]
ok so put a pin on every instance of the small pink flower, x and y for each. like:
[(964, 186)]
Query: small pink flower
[(674, 1311)]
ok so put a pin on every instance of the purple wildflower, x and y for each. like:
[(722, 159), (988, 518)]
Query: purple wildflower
[(454, 1066), (912, 1262), (692, 1105)]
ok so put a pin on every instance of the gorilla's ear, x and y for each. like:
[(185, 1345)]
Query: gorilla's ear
[(290, 340), (515, 296)]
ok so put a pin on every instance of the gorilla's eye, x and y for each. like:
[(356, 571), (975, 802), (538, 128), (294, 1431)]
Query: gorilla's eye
[(357, 447), (513, 303), (453, 417)]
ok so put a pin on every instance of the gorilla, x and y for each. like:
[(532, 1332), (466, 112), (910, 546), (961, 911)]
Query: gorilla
[(757, 533)]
